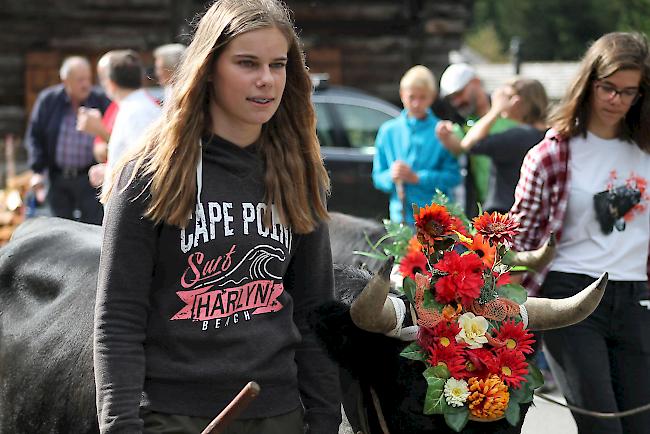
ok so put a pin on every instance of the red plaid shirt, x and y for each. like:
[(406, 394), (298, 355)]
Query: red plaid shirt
[(541, 198)]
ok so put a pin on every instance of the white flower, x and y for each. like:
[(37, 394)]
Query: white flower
[(456, 392), (473, 330)]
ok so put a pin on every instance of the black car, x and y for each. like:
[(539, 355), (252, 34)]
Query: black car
[(348, 120)]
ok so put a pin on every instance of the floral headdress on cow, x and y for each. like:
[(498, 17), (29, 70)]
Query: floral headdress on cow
[(472, 334)]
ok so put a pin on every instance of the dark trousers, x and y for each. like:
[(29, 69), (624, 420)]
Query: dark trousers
[(70, 192), (603, 363), (163, 423)]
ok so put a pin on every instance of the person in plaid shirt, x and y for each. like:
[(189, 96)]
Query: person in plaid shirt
[(586, 183)]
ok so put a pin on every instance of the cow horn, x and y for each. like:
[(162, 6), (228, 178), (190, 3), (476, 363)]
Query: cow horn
[(372, 310), (535, 259), (546, 313)]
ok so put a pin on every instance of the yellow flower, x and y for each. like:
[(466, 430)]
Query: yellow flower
[(473, 329)]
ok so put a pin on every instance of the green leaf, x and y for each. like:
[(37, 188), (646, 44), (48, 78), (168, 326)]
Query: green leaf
[(414, 352), (534, 378), (441, 371), (512, 413), (516, 293), (457, 420), (493, 324), (434, 401), (522, 395), (408, 286), (430, 302), (507, 258), (373, 255)]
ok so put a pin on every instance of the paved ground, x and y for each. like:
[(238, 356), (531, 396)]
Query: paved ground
[(547, 418), (542, 418)]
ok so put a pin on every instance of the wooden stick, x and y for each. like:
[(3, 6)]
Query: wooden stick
[(236, 406), (399, 187)]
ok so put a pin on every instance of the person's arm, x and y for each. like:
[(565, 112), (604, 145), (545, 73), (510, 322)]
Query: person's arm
[(89, 120), (310, 281), (35, 138), (481, 129), (121, 308), (381, 174), (447, 136)]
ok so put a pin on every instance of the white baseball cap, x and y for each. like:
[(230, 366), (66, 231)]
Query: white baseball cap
[(455, 78)]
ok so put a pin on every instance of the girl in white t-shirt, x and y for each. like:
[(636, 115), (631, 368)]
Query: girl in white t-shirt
[(586, 181)]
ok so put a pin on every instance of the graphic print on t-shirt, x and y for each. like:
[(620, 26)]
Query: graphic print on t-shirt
[(237, 283), (618, 204)]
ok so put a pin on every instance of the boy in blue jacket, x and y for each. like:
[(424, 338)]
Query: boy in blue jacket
[(410, 162)]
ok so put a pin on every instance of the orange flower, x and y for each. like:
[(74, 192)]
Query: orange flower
[(414, 245), (450, 313), (488, 398), (497, 228), (483, 249), (432, 222)]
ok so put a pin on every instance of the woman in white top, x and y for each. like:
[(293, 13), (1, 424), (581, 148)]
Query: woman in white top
[(586, 182)]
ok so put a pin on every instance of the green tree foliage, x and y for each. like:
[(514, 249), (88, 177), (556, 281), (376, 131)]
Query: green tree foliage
[(486, 41), (557, 29)]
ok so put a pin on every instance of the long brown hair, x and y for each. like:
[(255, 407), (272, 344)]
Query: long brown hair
[(611, 53), (296, 180)]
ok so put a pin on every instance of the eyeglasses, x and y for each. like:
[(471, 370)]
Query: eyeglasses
[(607, 92)]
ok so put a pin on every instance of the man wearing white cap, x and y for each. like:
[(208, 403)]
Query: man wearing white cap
[(462, 87)]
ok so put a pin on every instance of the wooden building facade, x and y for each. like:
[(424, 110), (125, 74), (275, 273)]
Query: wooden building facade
[(362, 43)]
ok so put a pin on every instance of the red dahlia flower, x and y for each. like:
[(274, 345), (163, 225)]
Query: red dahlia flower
[(497, 228), (451, 356), (502, 279), (464, 278), (443, 334), (480, 362), (515, 336), (413, 262), (512, 368)]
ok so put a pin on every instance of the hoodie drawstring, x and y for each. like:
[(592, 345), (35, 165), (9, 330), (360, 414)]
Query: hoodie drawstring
[(199, 174)]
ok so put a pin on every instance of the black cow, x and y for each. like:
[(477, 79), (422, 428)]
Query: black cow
[(48, 279), (349, 234)]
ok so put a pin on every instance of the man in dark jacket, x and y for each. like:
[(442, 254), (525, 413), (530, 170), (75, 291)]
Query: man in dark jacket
[(57, 149)]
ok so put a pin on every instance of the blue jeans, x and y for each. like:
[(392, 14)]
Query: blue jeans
[(603, 363)]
